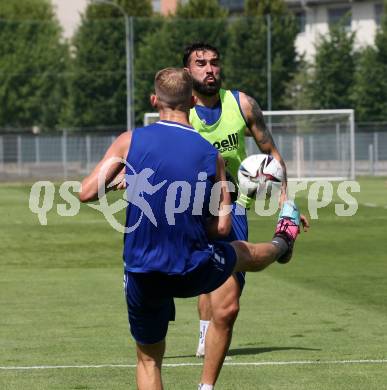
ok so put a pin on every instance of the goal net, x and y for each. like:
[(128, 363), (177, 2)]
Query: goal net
[(315, 144)]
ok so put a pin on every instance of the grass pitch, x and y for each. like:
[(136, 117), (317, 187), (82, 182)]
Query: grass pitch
[(318, 322)]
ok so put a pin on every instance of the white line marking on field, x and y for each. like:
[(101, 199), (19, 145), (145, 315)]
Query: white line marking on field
[(370, 204), (283, 363)]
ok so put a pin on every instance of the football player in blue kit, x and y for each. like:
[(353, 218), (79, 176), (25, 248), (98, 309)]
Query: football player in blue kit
[(176, 172)]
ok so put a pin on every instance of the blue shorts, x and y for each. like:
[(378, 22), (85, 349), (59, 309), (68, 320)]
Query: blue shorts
[(149, 296), (239, 232)]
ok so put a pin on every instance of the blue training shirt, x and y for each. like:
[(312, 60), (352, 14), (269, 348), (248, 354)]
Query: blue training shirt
[(168, 164)]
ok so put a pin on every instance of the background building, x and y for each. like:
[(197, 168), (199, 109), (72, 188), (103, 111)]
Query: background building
[(69, 14), (315, 16)]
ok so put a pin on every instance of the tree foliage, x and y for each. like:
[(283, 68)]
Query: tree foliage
[(98, 83), (246, 56), (298, 89), (334, 69), (44, 83), (32, 61), (370, 92), (200, 9)]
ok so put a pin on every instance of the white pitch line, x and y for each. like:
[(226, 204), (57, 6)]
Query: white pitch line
[(370, 204), (313, 362), (283, 363)]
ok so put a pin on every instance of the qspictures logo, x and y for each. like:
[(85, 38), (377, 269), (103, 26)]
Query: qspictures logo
[(180, 196)]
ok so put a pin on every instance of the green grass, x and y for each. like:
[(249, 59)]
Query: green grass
[(61, 303)]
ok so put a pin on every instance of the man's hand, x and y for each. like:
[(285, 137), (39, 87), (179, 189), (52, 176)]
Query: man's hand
[(119, 182), (112, 164)]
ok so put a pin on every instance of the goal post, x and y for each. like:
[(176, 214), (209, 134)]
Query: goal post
[(315, 144)]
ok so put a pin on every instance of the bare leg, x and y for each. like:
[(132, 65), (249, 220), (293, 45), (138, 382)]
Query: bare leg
[(225, 305), (149, 359), (204, 307), (254, 257), (225, 308)]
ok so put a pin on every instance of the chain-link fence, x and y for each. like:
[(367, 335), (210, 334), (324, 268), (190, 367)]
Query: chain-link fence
[(25, 157), (371, 153)]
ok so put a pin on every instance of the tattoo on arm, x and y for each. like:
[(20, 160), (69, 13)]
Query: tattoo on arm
[(262, 135), (257, 120)]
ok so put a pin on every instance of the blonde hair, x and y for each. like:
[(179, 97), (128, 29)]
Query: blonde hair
[(173, 87)]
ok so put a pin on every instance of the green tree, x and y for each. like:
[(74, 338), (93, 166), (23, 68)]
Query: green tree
[(334, 69), (370, 91), (98, 83), (381, 37), (297, 94), (200, 9), (32, 61), (246, 56), (369, 94), (197, 20)]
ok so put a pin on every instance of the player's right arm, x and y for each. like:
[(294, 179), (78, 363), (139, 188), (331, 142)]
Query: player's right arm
[(110, 166), (220, 225)]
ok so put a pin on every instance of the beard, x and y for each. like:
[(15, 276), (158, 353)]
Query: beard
[(207, 89)]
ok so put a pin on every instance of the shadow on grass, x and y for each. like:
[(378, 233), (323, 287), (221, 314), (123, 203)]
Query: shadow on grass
[(257, 350), (251, 351)]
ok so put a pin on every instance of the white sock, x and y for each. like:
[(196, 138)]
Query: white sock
[(204, 386), (202, 331)]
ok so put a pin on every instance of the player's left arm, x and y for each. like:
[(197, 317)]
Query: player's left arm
[(256, 128), (108, 173), (262, 136)]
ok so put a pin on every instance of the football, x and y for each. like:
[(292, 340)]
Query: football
[(257, 174)]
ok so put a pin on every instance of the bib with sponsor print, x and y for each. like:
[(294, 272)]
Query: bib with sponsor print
[(227, 133)]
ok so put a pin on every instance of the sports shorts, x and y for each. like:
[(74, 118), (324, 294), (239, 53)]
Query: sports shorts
[(239, 232), (149, 296)]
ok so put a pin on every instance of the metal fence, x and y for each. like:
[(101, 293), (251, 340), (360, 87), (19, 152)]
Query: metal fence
[(50, 156), (371, 153), (25, 157)]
